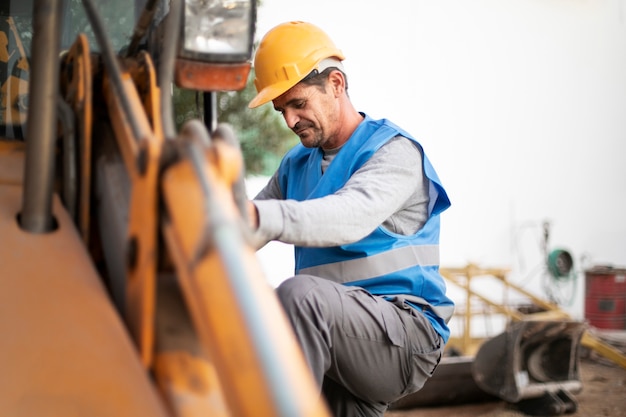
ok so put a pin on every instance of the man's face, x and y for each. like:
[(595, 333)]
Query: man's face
[(311, 113)]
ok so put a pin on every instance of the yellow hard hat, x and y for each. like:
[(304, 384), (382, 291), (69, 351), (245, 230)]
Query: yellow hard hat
[(287, 54)]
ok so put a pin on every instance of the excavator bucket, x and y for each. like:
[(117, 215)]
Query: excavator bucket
[(533, 364)]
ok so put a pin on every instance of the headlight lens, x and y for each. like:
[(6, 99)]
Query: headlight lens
[(221, 29)]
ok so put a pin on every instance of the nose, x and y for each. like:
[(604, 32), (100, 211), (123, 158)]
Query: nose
[(291, 118)]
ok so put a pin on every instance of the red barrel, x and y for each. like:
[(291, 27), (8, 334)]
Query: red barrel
[(605, 297)]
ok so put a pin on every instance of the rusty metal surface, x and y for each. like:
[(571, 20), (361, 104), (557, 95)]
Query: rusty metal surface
[(209, 76)]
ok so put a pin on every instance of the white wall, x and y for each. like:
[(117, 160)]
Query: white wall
[(520, 105)]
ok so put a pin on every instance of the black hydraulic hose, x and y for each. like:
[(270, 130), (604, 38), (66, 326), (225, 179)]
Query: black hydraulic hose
[(36, 213), (111, 64), (70, 158), (142, 26)]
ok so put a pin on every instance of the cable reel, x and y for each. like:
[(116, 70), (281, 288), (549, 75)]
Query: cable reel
[(561, 276)]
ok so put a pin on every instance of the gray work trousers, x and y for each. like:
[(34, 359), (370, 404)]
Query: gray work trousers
[(364, 352)]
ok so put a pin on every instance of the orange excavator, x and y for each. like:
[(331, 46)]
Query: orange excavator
[(127, 283)]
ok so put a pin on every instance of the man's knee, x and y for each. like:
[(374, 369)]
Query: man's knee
[(294, 290)]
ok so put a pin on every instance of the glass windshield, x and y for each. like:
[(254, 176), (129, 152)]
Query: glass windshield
[(16, 36)]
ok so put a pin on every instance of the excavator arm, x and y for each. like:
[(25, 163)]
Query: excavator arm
[(130, 287)]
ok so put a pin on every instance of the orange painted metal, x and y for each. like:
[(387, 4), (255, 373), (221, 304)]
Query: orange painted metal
[(64, 350), (78, 93), (191, 385), (213, 302), (186, 378), (143, 74), (11, 162), (141, 157)]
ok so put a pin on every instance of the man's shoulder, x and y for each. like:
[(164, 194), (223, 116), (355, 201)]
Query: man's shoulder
[(398, 150), (402, 145)]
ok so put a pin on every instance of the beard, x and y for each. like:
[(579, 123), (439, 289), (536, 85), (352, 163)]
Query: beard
[(310, 136)]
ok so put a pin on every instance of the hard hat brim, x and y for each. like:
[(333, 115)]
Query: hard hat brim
[(271, 92)]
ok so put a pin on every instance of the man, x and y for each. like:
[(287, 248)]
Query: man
[(361, 202)]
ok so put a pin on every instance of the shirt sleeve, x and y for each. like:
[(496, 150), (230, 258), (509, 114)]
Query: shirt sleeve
[(382, 187), (271, 191)]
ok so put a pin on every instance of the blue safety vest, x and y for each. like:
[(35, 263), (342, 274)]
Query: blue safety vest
[(384, 263)]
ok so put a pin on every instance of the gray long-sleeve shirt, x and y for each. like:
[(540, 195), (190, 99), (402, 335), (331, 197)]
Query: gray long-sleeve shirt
[(389, 189)]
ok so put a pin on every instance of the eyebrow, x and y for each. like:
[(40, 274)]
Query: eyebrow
[(289, 103)]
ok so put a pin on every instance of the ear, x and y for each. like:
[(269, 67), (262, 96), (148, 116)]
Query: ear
[(337, 82)]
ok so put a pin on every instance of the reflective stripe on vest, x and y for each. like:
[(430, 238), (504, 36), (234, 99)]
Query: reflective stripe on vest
[(376, 265)]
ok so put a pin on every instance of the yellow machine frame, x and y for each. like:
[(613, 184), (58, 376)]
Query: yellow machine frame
[(468, 345)]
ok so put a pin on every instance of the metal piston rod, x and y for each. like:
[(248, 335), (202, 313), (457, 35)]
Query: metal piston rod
[(36, 214)]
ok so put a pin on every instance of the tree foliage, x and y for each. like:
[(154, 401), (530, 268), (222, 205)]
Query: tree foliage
[(262, 132)]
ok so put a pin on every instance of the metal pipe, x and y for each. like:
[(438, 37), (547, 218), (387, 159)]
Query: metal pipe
[(210, 110), (36, 214), (167, 61)]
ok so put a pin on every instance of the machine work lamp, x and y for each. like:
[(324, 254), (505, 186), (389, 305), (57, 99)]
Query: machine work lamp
[(216, 44)]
